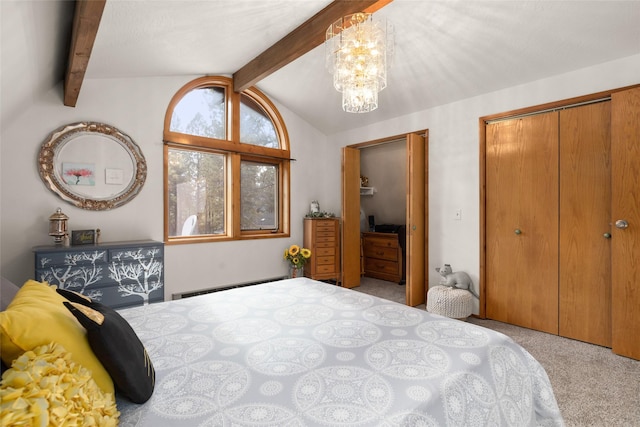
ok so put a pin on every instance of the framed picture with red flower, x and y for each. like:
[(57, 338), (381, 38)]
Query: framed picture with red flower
[(79, 173)]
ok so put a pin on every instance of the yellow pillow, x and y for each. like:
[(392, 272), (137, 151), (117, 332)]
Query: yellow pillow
[(36, 317), (45, 388)]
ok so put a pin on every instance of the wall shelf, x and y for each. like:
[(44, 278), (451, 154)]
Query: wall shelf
[(367, 191)]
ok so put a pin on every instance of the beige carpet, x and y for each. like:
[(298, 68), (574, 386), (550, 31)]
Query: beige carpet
[(593, 386)]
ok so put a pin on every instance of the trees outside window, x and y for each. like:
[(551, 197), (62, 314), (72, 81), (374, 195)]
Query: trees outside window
[(258, 196), (226, 165)]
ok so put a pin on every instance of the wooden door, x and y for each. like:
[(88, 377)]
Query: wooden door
[(585, 211), (350, 217), (625, 242), (416, 258), (521, 221)]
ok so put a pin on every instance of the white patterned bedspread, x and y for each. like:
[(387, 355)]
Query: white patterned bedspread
[(304, 353)]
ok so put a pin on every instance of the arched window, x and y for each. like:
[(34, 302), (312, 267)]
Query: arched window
[(226, 164)]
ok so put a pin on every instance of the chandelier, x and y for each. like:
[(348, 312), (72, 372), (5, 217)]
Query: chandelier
[(359, 49)]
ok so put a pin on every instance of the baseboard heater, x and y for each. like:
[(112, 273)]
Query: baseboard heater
[(223, 288)]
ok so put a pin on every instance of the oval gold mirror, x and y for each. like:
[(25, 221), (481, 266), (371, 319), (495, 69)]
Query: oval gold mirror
[(92, 165)]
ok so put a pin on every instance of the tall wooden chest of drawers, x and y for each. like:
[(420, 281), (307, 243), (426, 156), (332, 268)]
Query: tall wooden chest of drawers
[(118, 274), (322, 237), (382, 256)]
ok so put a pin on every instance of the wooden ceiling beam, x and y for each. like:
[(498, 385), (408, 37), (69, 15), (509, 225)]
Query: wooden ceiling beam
[(300, 41), (86, 21)]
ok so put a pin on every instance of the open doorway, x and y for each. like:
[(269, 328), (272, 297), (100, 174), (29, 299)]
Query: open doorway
[(413, 188)]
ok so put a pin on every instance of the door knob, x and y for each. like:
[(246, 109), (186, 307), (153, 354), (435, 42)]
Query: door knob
[(518, 231), (607, 235), (622, 224)]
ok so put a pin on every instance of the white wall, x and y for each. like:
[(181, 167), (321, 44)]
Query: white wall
[(454, 152), (137, 107), (386, 167)]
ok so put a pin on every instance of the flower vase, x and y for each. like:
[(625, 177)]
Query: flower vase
[(295, 272)]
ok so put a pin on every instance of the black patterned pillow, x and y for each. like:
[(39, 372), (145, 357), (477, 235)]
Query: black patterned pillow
[(116, 345)]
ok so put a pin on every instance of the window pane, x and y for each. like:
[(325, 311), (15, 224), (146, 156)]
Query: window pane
[(201, 112), (255, 125), (196, 193), (259, 196)]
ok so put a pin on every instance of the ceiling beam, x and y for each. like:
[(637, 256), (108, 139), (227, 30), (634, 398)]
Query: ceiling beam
[(86, 21), (300, 41)]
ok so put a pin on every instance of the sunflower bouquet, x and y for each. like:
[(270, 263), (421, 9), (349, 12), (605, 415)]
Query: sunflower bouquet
[(297, 256)]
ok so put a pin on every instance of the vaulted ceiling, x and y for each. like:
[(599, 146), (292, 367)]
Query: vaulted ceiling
[(444, 51)]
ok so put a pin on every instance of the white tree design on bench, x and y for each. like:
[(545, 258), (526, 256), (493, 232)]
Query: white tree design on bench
[(79, 273), (137, 272)]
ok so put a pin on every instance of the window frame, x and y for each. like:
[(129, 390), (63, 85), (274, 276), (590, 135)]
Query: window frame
[(235, 152)]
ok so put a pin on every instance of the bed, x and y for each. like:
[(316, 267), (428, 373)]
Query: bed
[(299, 352)]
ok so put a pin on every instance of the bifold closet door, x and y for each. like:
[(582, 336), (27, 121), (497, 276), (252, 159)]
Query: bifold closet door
[(350, 234), (625, 243), (521, 222), (585, 230), (416, 248)]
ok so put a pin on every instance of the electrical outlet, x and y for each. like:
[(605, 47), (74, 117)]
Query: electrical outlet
[(458, 214)]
